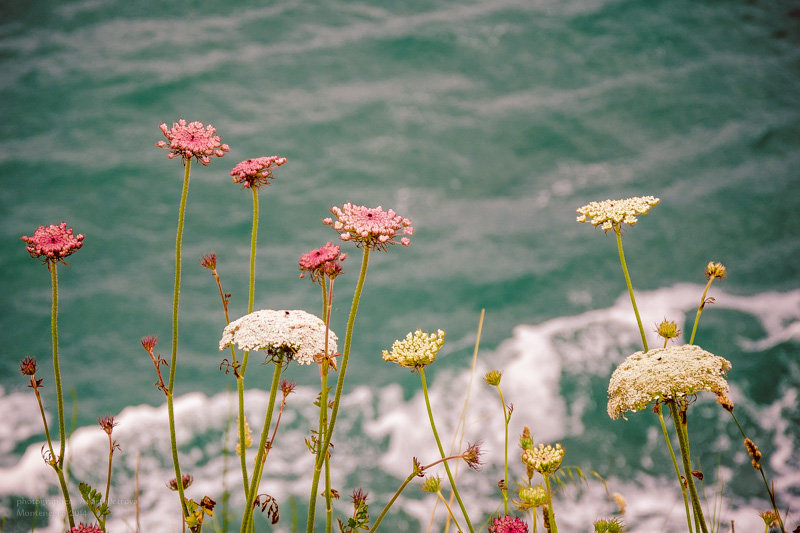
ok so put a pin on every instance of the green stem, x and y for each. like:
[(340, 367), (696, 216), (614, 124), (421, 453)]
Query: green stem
[(618, 233), (551, 518), (675, 464), (252, 290), (683, 440), (700, 309), (173, 361), (441, 450), (108, 476), (506, 419), (59, 465), (339, 386), (378, 520), (260, 459)]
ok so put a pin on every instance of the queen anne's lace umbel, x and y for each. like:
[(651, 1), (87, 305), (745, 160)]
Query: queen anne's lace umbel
[(609, 214), (256, 172), (418, 349), (369, 226), (191, 139), (544, 459), (665, 373), (295, 333), (53, 242)]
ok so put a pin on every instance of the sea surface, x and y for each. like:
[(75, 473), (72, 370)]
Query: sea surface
[(487, 123)]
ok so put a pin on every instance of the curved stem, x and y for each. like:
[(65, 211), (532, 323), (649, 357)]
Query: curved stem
[(378, 520), (173, 361), (680, 426), (260, 459), (551, 518), (675, 464), (441, 450), (700, 309), (339, 386), (618, 233)]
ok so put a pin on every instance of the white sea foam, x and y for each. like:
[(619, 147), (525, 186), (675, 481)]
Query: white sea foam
[(381, 429)]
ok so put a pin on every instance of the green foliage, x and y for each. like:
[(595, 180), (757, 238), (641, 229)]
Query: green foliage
[(93, 501)]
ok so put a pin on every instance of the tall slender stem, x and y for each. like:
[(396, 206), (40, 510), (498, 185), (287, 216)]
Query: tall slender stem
[(683, 440), (251, 291), (173, 361), (506, 418), (675, 464), (325, 443), (441, 450), (259, 467), (378, 520), (700, 309), (551, 518), (618, 233), (62, 436)]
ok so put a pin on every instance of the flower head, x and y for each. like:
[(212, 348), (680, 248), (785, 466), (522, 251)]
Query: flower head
[(432, 484), (192, 139), (530, 497), (255, 173), (716, 271), (665, 373), (492, 377), (107, 423), (81, 528), (472, 456), (293, 334), (508, 524), (371, 227), (53, 243), (418, 349), (667, 329), (209, 261), (610, 214), (186, 482), (544, 459), (325, 261), (609, 525), (28, 366)]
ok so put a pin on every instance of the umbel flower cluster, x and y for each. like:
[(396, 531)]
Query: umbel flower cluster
[(369, 227), (295, 334), (418, 349), (609, 214), (544, 459), (53, 242), (665, 373)]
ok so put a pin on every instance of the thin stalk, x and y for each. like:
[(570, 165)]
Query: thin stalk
[(441, 450), (378, 520), (252, 289), (259, 467), (551, 519), (506, 418), (449, 510), (700, 309), (618, 233), (59, 460), (136, 492), (675, 464), (175, 307), (339, 386), (108, 476), (683, 440)]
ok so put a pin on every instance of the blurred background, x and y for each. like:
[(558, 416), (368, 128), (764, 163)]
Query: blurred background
[(487, 123)]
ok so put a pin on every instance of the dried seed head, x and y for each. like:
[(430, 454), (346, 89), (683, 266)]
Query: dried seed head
[(715, 271)]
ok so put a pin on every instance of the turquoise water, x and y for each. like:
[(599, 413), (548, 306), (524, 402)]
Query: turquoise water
[(486, 123)]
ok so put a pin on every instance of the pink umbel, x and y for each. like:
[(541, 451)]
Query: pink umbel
[(53, 243), (191, 139), (508, 524), (256, 172), (369, 226), (80, 528), (324, 261)]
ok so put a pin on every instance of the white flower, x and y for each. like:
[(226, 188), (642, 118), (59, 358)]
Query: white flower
[(418, 349), (665, 373), (297, 334), (610, 213)]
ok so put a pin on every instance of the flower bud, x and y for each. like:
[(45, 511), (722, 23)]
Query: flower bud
[(493, 377)]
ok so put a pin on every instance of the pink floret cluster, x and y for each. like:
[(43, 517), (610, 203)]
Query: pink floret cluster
[(324, 261), (508, 524), (369, 226), (53, 243), (256, 172), (191, 139), (80, 528)]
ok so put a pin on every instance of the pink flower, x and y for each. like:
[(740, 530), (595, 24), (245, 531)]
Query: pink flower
[(192, 139), (256, 172), (53, 243), (80, 528), (321, 262), (370, 227), (508, 524)]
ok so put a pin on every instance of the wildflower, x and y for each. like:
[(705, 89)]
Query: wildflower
[(418, 349), (295, 334), (665, 373), (208, 504), (324, 261), (472, 456), (716, 271), (359, 496), (508, 524), (53, 243), (544, 459), (107, 423), (209, 261), (188, 140), (149, 342), (770, 518), (667, 329), (608, 525), (28, 366), (370, 227), (81, 528), (754, 452), (255, 173), (530, 497), (186, 482), (725, 402), (287, 387), (611, 214), (493, 377), (432, 484), (525, 440)]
